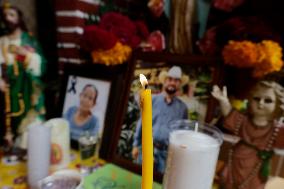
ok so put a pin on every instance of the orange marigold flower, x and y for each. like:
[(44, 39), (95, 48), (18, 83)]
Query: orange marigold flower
[(116, 55), (242, 54), (270, 59), (264, 57)]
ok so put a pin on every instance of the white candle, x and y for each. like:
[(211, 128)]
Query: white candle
[(60, 143), (192, 158), (38, 154)]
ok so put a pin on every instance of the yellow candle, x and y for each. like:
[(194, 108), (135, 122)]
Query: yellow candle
[(147, 136)]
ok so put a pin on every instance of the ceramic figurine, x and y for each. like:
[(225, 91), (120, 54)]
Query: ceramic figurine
[(260, 130), (22, 66)]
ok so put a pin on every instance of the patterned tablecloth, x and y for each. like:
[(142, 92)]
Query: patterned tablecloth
[(13, 175)]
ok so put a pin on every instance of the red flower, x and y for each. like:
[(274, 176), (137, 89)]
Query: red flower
[(95, 38), (226, 5), (237, 28), (142, 29), (155, 42), (127, 32), (135, 41), (112, 20)]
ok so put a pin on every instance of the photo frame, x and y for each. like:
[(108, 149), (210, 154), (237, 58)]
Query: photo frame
[(96, 88), (150, 63)]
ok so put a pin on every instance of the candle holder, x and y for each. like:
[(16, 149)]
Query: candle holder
[(192, 155)]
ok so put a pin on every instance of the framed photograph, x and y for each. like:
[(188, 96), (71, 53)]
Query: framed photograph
[(180, 86), (85, 95), (90, 98)]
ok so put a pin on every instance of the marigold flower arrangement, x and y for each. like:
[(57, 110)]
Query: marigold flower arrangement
[(270, 58), (264, 57), (111, 41), (116, 55)]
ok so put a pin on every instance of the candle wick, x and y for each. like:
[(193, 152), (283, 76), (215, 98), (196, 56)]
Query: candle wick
[(146, 86), (196, 127)]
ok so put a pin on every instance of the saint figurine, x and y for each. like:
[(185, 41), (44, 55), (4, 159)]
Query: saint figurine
[(22, 66), (260, 131)]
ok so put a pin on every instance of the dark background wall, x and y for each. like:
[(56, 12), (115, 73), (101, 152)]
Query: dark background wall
[(46, 30)]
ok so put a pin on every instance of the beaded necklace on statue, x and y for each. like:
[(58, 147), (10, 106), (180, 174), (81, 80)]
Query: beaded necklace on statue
[(264, 156)]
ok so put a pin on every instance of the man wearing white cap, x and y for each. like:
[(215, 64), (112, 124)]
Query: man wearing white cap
[(167, 108)]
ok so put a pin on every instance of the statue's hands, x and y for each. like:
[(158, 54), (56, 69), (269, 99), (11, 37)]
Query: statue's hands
[(9, 138), (22, 51), (222, 97), (3, 85), (19, 50)]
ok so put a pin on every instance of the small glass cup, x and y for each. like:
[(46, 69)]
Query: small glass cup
[(87, 145), (192, 155), (87, 148)]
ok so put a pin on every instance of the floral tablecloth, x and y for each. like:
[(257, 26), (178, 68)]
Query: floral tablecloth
[(13, 175)]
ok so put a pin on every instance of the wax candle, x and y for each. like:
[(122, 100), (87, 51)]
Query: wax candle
[(39, 138), (147, 136), (192, 158), (60, 144)]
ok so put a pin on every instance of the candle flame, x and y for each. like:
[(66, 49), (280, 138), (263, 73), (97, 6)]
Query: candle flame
[(143, 80)]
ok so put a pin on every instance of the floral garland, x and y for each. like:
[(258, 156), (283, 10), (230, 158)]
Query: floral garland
[(111, 41), (116, 55), (264, 57)]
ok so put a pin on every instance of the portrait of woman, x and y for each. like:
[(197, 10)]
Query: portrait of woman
[(85, 105), (81, 118)]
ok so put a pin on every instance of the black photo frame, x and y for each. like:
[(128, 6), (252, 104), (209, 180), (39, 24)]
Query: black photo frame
[(157, 60), (112, 83)]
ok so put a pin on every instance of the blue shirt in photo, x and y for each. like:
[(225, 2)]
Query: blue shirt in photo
[(92, 125), (164, 114)]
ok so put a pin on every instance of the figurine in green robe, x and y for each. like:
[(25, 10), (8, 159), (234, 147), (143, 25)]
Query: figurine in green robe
[(22, 66)]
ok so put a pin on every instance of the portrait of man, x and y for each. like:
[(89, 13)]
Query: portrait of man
[(167, 108), (179, 91)]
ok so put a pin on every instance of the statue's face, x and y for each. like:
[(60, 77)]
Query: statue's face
[(263, 102), (11, 18)]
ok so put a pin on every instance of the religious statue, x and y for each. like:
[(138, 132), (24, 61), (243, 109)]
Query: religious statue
[(22, 65), (260, 131)]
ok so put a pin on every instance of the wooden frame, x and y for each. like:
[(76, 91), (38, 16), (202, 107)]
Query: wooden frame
[(189, 60), (110, 80)]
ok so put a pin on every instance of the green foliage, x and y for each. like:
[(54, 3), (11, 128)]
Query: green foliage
[(193, 115), (129, 127)]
